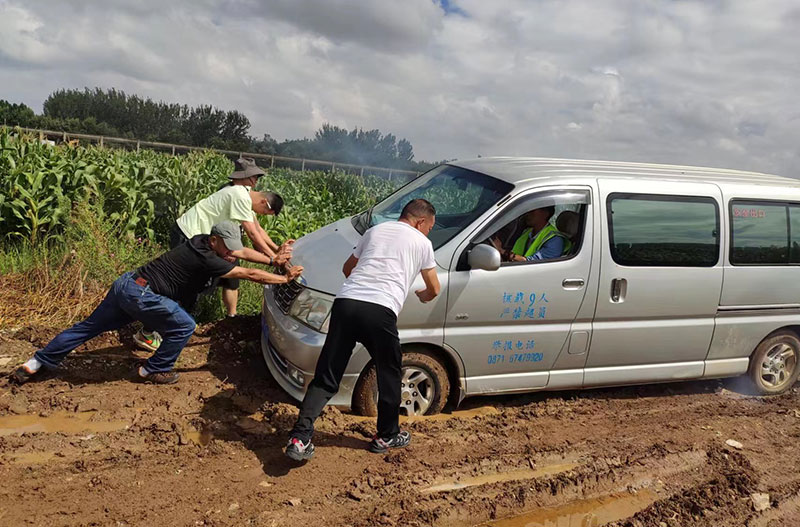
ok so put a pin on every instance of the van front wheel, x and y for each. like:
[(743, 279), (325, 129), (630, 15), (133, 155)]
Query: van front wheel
[(424, 387), (773, 367)]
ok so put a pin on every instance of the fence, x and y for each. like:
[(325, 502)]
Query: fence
[(274, 161)]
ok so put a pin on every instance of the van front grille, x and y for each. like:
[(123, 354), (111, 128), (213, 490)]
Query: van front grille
[(285, 294)]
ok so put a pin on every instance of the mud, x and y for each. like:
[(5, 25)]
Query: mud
[(88, 446), (582, 513), (64, 422), (511, 475)]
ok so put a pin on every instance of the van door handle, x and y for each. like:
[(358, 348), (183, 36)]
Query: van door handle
[(572, 283), (619, 287)]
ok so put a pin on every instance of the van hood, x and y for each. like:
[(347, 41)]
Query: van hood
[(322, 254)]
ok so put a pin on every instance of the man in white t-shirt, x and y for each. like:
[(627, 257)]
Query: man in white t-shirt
[(379, 274)]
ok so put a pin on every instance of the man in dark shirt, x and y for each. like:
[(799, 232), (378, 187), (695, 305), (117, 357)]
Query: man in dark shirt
[(159, 294)]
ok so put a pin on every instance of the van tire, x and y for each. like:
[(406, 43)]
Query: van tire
[(365, 395), (774, 364)]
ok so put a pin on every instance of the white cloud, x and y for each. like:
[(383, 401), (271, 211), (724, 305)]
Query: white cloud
[(685, 81), (19, 36)]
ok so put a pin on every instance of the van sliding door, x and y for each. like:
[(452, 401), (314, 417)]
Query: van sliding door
[(660, 281)]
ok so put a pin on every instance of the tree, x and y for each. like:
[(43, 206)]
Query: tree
[(146, 119), (265, 145), (112, 112), (357, 146), (16, 114)]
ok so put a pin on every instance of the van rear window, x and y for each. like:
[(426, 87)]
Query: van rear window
[(649, 230), (764, 233)]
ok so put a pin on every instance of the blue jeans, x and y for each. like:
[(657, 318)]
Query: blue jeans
[(125, 302)]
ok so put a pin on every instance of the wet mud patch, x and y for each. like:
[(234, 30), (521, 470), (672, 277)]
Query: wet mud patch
[(58, 422), (592, 512)]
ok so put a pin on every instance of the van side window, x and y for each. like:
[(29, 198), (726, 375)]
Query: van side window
[(794, 233), (762, 233), (648, 230)]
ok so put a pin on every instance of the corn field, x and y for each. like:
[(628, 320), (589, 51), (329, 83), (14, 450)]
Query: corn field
[(143, 192)]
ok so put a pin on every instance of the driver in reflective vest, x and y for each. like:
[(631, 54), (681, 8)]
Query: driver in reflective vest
[(540, 241)]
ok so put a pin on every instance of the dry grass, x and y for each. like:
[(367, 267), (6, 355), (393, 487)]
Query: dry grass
[(49, 295)]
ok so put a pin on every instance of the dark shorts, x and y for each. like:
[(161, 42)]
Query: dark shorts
[(230, 283), (176, 236)]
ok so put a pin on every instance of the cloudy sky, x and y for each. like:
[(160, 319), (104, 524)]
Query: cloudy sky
[(709, 82)]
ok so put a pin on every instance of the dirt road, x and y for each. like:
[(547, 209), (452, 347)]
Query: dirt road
[(90, 447)]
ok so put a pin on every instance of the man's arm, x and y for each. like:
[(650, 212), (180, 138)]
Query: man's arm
[(254, 233), (432, 286), (252, 256), (272, 245), (349, 265), (279, 260), (552, 248), (263, 277)]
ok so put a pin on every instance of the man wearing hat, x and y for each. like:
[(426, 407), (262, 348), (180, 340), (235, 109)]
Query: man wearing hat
[(159, 294), (236, 202)]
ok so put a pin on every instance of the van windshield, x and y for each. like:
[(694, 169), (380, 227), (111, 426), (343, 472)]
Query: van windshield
[(459, 195)]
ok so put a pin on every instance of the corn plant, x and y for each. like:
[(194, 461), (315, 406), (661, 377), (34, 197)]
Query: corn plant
[(142, 193)]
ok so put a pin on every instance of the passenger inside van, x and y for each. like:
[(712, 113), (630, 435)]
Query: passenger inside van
[(541, 240)]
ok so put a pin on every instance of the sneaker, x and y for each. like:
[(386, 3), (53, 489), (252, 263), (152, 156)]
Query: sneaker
[(22, 374), (149, 342), (379, 445), (299, 451), (159, 377)]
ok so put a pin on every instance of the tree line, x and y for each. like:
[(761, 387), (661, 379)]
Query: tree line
[(114, 113)]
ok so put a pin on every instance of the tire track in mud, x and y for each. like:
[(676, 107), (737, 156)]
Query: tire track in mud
[(657, 470)]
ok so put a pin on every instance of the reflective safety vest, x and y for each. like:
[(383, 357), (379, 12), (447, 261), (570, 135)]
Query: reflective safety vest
[(548, 233)]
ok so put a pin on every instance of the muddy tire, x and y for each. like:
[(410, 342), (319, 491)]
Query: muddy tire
[(774, 364), (426, 387)]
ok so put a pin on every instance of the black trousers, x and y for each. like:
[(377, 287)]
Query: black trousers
[(374, 326)]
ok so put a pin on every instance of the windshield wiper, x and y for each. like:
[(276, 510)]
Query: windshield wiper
[(369, 217)]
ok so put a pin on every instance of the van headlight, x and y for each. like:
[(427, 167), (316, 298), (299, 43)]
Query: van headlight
[(313, 309)]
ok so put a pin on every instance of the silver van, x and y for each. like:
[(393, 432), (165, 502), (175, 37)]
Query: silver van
[(668, 273)]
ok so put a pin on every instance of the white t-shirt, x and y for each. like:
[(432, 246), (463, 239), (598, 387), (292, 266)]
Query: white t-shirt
[(390, 255)]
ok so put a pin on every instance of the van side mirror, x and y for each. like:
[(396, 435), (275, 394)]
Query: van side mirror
[(484, 257)]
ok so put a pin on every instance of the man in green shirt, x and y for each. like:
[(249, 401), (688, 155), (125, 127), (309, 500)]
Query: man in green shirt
[(540, 241)]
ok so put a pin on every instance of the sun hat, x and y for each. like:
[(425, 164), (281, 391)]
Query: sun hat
[(245, 167)]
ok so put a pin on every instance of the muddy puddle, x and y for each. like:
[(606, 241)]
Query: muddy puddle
[(582, 513), (32, 458), (66, 422), (199, 437), (511, 475)]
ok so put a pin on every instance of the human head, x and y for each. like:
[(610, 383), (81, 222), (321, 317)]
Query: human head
[(266, 203), (538, 218), (226, 237), (420, 214), (246, 172)]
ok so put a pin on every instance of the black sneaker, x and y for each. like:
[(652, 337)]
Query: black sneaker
[(298, 450), (159, 377), (22, 374), (379, 445)]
